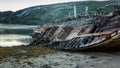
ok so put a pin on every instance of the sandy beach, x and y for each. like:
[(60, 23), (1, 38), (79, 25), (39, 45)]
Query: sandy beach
[(67, 60)]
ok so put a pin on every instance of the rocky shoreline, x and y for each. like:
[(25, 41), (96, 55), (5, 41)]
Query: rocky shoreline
[(67, 60)]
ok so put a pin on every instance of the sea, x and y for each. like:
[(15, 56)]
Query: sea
[(15, 35)]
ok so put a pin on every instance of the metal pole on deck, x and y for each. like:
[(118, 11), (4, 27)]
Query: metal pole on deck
[(75, 13)]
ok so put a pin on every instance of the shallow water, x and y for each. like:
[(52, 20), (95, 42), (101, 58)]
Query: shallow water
[(11, 26), (14, 35), (14, 40)]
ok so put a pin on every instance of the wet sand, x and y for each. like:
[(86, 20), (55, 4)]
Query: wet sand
[(67, 60)]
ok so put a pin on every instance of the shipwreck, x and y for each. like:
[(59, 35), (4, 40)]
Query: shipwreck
[(83, 32)]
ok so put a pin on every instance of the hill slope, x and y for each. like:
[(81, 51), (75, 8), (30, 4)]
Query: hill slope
[(47, 13)]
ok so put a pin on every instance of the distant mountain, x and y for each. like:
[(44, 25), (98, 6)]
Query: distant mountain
[(39, 15)]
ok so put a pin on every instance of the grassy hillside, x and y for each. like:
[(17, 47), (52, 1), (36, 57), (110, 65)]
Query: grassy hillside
[(48, 13)]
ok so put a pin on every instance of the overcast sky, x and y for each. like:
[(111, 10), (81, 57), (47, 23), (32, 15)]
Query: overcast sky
[(14, 5)]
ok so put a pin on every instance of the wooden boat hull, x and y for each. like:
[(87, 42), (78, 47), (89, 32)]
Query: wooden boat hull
[(112, 44), (100, 33)]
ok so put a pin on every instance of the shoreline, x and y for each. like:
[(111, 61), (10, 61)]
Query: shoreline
[(40, 57)]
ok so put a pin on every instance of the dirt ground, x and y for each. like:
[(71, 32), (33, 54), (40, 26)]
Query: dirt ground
[(67, 60)]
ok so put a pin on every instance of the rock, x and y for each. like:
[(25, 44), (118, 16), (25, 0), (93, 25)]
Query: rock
[(22, 51), (28, 62), (68, 54), (46, 66), (92, 65), (77, 66), (55, 64), (93, 57)]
